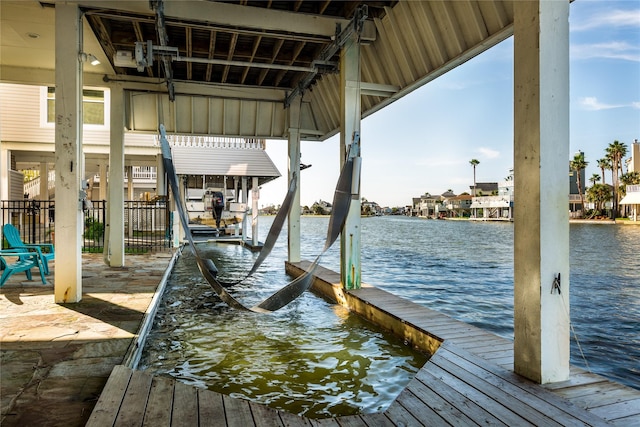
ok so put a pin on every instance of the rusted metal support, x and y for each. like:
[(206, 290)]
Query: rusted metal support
[(350, 109)]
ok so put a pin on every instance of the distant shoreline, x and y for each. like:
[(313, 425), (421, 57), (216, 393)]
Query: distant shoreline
[(571, 221)]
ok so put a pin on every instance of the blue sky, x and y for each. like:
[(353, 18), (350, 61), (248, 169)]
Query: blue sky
[(424, 141)]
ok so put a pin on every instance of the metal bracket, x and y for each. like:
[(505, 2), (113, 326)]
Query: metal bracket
[(163, 37), (556, 285), (340, 39)]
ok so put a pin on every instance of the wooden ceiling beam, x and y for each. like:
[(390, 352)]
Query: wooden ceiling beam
[(274, 55), (189, 44), (232, 15), (212, 50), (140, 38), (256, 45), (294, 55), (232, 49)]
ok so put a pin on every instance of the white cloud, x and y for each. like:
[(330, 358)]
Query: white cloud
[(612, 18), (488, 153), (612, 50), (591, 103)]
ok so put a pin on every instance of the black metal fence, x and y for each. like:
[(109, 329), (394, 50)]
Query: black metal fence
[(147, 224), (33, 218)]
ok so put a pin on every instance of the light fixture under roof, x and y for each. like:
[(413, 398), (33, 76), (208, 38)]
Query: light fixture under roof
[(89, 57), (33, 35)]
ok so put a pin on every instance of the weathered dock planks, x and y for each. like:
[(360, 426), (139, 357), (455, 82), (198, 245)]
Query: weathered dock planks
[(607, 400)]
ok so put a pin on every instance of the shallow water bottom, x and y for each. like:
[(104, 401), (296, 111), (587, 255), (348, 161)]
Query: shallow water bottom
[(311, 358)]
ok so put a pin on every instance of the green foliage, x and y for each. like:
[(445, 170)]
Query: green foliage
[(599, 194), (93, 229), (318, 210), (630, 178)]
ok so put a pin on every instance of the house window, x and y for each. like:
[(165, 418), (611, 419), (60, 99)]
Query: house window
[(93, 106)]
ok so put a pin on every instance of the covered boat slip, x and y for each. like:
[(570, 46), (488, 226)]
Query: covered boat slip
[(228, 167), (469, 380), (296, 71)]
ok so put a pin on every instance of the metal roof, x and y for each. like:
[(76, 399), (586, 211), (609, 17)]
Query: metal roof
[(236, 159)]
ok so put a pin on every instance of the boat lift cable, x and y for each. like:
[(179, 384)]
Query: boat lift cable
[(341, 202)]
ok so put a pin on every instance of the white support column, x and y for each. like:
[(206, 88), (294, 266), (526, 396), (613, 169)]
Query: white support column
[(255, 196), (103, 181), (44, 190), (238, 198), (5, 167), (44, 181), (161, 185), (130, 193), (115, 219), (293, 222), (245, 201), (129, 197), (350, 114), (541, 220), (68, 153)]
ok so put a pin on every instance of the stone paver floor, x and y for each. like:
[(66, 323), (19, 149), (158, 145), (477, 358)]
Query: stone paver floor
[(55, 358)]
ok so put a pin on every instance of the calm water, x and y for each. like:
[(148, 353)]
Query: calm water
[(464, 269), (311, 357)]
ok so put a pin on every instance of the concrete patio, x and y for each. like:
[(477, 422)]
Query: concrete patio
[(56, 358)]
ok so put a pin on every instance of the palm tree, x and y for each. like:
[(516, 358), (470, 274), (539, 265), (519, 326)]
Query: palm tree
[(616, 152), (474, 163), (630, 178), (604, 164), (578, 164), (598, 194), (594, 178)]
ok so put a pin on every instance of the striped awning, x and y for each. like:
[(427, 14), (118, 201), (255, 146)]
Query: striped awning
[(631, 199)]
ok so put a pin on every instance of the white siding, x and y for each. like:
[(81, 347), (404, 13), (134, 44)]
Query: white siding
[(16, 185), (20, 121), (20, 115)]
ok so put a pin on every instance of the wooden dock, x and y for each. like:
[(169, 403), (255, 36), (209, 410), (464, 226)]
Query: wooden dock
[(468, 381)]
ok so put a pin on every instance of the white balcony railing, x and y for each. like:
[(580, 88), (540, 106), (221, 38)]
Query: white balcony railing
[(32, 188), (213, 142)]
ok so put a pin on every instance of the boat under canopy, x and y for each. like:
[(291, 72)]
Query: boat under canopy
[(232, 166)]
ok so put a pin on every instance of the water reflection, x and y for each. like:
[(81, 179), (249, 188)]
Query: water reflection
[(311, 358)]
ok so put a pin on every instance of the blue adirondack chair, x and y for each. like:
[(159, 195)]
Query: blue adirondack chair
[(45, 251), (24, 261)]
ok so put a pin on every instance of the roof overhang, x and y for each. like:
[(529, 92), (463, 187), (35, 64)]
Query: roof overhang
[(221, 161), (631, 199)]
